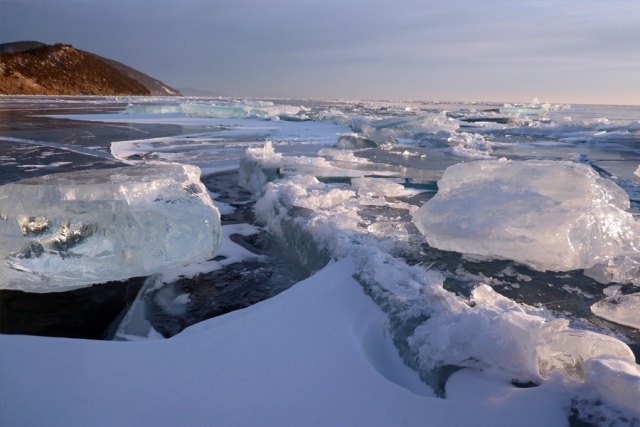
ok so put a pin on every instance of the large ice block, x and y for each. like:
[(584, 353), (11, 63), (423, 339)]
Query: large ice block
[(65, 231), (546, 214)]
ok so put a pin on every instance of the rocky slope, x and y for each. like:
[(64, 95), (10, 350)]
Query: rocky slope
[(33, 68)]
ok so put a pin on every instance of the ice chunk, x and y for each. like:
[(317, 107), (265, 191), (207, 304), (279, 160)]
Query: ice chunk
[(259, 166), (461, 144), (637, 172), (377, 187), (66, 231), (353, 141), (499, 333), (534, 109), (617, 381), (153, 109), (567, 350), (404, 127), (624, 269), (620, 309), (240, 110), (548, 215)]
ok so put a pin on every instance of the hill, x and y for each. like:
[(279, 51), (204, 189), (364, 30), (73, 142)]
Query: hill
[(34, 68)]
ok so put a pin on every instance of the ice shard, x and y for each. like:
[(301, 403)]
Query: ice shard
[(620, 309), (623, 269), (65, 231), (546, 214)]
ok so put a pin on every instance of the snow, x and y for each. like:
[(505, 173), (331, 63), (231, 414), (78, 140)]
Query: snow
[(621, 309), (318, 353), (66, 231), (546, 214)]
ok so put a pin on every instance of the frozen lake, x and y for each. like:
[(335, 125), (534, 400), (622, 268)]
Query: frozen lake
[(392, 253)]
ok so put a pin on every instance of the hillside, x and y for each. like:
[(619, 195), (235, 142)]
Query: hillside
[(156, 87), (33, 68)]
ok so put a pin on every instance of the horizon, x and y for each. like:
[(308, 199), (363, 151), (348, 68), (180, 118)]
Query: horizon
[(468, 51)]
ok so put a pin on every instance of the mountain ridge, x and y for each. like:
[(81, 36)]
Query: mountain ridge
[(34, 68)]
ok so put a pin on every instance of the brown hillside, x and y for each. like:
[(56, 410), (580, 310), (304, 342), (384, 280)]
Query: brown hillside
[(62, 70)]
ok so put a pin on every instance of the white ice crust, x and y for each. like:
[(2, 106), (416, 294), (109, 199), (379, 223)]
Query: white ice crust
[(548, 215), (71, 230)]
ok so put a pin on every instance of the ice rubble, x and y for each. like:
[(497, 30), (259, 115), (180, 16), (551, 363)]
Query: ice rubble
[(71, 230), (621, 309), (549, 215), (488, 331), (461, 144)]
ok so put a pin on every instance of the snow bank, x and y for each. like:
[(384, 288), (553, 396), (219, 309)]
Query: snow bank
[(65, 231), (548, 215), (319, 352)]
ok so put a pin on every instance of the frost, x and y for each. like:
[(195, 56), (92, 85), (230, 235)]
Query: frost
[(620, 309), (549, 215), (66, 231)]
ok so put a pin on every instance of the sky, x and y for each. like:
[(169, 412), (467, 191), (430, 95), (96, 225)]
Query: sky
[(576, 51)]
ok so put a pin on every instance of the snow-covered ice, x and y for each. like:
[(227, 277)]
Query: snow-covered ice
[(65, 231), (548, 215), (334, 349), (318, 353)]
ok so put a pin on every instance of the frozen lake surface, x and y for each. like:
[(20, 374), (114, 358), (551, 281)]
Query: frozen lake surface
[(375, 288)]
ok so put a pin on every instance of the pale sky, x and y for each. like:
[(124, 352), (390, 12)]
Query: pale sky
[(558, 51)]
